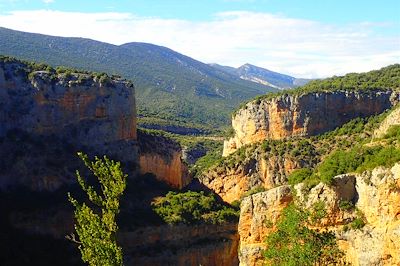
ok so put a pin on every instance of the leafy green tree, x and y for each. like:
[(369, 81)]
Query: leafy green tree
[(293, 243), (96, 226)]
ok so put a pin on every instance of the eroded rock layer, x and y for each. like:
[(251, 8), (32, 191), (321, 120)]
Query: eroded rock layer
[(46, 117), (376, 196), (304, 115), (162, 157)]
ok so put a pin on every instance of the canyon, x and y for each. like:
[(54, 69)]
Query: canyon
[(47, 115)]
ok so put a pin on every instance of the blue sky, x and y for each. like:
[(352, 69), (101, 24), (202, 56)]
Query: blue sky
[(308, 38), (332, 11)]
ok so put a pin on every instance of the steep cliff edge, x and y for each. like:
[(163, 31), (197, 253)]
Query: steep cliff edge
[(361, 207), (376, 198), (46, 115), (256, 167), (304, 114), (162, 157)]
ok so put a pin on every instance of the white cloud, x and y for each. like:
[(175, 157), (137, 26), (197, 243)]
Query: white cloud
[(48, 1), (302, 48)]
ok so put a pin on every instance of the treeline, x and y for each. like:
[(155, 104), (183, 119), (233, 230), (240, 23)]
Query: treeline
[(382, 79)]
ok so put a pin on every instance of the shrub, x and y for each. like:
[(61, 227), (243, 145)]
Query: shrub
[(357, 159), (299, 175), (357, 223), (193, 207), (252, 191), (293, 243), (346, 205), (318, 211)]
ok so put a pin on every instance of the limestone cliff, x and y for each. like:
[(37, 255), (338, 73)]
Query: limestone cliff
[(266, 166), (376, 196), (231, 182), (304, 114), (46, 116), (255, 210), (162, 157)]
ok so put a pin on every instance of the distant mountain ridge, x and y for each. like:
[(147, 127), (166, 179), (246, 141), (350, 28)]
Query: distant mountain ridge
[(170, 87), (263, 76)]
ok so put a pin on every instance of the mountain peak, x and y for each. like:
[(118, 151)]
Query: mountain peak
[(263, 76)]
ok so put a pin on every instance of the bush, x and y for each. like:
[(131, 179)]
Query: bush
[(318, 211), (393, 132), (358, 159), (293, 243), (357, 223), (346, 205), (193, 207), (252, 191), (299, 175)]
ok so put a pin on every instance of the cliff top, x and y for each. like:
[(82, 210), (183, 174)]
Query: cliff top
[(386, 78), (64, 75)]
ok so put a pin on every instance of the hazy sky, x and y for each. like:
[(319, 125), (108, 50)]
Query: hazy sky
[(302, 38)]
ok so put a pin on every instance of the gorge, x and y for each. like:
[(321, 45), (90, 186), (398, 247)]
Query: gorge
[(47, 115)]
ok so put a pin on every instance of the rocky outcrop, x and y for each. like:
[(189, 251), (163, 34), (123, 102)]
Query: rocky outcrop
[(162, 157), (255, 212), (230, 183), (304, 115), (266, 165), (46, 117), (376, 199), (211, 245)]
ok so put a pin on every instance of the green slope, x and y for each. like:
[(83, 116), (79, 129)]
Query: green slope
[(171, 88)]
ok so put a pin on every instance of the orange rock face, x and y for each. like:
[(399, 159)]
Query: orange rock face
[(255, 212), (173, 172), (376, 196), (303, 115), (231, 183), (55, 116)]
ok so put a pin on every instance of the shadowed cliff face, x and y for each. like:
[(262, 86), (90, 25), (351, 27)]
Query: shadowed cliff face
[(180, 245), (304, 115), (162, 157), (45, 118)]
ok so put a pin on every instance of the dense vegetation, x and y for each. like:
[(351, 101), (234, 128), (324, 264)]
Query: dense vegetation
[(171, 87), (382, 79), (96, 226), (357, 158), (294, 243), (193, 207)]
